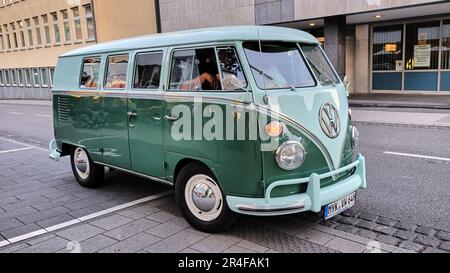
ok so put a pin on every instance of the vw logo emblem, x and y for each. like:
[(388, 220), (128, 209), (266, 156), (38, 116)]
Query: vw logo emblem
[(329, 120)]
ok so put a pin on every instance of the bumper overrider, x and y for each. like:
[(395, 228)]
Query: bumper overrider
[(314, 198)]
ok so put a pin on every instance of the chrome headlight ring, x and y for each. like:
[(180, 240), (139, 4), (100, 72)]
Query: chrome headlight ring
[(290, 155)]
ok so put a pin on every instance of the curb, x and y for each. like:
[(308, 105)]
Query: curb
[(399, 105)]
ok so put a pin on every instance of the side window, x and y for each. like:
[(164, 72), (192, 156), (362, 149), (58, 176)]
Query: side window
[(2, 82), (195, 70), (148, 71), (116, 76), (90, 72), (232, 74)]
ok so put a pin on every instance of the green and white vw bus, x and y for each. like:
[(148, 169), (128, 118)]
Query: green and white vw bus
[(239, 120)]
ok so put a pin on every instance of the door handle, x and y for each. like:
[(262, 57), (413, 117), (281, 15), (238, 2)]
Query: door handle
[(171, 118)]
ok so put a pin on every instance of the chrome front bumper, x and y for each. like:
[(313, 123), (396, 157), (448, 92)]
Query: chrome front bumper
[(54, 153), (312, 200)]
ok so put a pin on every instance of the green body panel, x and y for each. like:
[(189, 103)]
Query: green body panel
[(146, 135), (114, 132), (236, 164)]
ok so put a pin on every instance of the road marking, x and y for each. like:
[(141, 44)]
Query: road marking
[(23, 144), (419, 156), (44, 116), (15, 150), (16, 113), (83, 219)]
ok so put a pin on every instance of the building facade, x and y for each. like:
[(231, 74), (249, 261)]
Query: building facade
[(395, 46), (33, 33)]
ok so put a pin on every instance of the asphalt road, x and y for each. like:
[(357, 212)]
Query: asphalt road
[(404, 188)]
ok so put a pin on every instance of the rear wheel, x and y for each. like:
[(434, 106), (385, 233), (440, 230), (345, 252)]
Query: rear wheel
[(87, 173), (201, 199)]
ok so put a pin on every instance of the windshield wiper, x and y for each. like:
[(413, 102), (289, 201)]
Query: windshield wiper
[(265, 75), (328, 78)]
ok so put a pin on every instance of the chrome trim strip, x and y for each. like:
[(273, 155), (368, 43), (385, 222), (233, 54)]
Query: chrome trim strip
[(166, 182), (252, 208)]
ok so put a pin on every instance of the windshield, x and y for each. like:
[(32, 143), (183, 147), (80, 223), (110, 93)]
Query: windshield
[(280, 65), (319, 64)]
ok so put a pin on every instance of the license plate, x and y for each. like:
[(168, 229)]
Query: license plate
[(339, 206)]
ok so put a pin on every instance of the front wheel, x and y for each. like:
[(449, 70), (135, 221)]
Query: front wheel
[(201, 199), (87, 173)]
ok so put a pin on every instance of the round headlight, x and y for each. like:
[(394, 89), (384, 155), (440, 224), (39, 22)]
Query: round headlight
[(290, 155), (355, 137)]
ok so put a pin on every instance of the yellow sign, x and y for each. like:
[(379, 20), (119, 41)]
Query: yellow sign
[(390, 48)]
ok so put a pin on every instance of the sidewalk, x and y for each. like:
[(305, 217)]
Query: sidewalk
[(401, 101), (28, 102), (157, 227), (401, 118)]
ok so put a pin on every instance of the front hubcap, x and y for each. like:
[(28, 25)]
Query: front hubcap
[(203, 197), (81, 162)]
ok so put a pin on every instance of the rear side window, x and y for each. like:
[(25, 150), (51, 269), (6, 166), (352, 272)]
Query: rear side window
[(90, 72), (116, 76), (148, 70)]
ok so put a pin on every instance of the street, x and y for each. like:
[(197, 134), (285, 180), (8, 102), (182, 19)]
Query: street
[(408, 169)]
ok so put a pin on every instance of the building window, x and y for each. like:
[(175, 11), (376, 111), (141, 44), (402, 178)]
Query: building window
[(148, 71), (21, 77), (90, 73), (8, 40), (66, 25), (77, 24), (14, 34), (13, 77), (46, 30), (36, 81), (28, 77), (388, 48), (422, 46), (44, 77), (37, 28), (22, 34), (2, 81), (7, 78), (89, 22), (446, 45), (52, 75), (56, 28), (1, 39), (30, 32), (116, 76)]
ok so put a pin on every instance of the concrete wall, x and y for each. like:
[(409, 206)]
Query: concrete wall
[(274, 11), (362, 62), (192, 14), (116, 19)]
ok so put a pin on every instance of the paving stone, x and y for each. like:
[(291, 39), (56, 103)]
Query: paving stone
[(329, 223), (11, 233), (406, 226), (351, 213), (314, 236), (179, 221), (10, 224), (425, 230), (42, 215), (386, 221), (131, 229), (161, 217), (132, 214), (175, 243), (385, 230), (442, 235), (111, 222), (405, 235), (14, 248), (434, 250), (348, 221), (445, 246), (345, 246), (427, 240), (165, 230), (55, 220), (189, 251), (95, 243), (237, 249), (133, 244), (49, 246), (85, 211), (80, 233), (366, 234), (347, 228), (216, 243), (252, 246), (390, 240), (366, 224), (368, 217), (41, 239), (411, 246)]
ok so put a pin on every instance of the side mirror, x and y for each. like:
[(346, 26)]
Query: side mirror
[(347, 84)]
